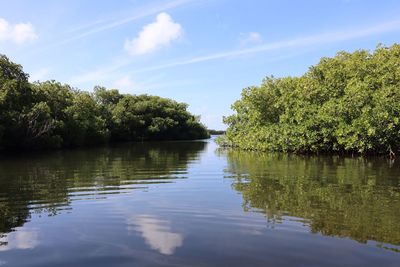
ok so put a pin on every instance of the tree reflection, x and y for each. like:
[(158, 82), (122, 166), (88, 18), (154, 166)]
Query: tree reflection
[(346, 197), (47, 183)]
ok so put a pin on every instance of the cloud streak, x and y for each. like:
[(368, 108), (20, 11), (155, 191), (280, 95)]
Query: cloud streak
[(104, 25), (311, 40), (306, 41), (250, 38)]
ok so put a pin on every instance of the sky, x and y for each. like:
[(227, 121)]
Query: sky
[(202, 52)]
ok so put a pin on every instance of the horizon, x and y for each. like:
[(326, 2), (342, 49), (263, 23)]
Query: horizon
[(187, 50)]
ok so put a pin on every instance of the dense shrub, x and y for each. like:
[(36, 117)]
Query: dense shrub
[(50, 114), (346, 104)]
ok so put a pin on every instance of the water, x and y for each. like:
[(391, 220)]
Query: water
[(191, 204)]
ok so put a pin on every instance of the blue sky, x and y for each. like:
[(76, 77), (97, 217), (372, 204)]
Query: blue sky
[(202, 52)]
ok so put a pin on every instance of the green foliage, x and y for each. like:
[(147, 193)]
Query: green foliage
[(50, 114), (216, 132), (150, 117), (84, 124), (15, 102), (346, 104)]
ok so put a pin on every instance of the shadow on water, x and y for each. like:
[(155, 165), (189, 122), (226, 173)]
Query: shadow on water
[(48, 182), (356, 198)]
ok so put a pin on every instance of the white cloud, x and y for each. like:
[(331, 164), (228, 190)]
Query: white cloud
[(305, 41), (155, 35), (250, 38), (19, 33), (108, 24)]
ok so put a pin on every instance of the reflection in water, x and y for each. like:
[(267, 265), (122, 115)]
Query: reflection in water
[(20, 239), (344, 197), (49, 183), (157, 233), (180, 204)]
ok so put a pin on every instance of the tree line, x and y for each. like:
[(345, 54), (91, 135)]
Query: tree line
[(349, 103), (216, 132), (54, 115)]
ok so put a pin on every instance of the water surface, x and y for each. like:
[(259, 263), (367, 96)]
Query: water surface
[(191, 204)]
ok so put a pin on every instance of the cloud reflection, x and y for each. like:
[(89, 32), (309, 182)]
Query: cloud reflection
[(20, 239), (157, 233)]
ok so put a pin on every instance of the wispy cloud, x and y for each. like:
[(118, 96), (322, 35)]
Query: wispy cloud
[(107, 24), (19, 33), (250, 38), (312, 40), (305, 41), (150, 84), (154, 35), (124, 83), (39, 75), (100, 73)]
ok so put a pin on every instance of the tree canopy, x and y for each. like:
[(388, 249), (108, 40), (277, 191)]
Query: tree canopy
[(52, 115), (346, 104)]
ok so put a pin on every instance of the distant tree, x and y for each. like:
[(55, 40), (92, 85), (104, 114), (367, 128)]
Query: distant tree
[(51, 114), (150, 117), (216, 132)]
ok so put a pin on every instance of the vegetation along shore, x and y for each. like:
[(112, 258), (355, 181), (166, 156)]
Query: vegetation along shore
[(349, 103), (54, 115)]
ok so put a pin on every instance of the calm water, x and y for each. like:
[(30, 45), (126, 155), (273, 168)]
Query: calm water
[(190, 204)]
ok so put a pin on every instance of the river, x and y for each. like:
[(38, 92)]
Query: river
[(193, 204)]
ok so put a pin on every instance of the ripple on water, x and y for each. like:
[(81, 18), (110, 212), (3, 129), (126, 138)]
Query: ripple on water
[(188, 204)]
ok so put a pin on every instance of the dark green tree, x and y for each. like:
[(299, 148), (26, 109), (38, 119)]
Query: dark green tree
[(16, 99), (50, 114)]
